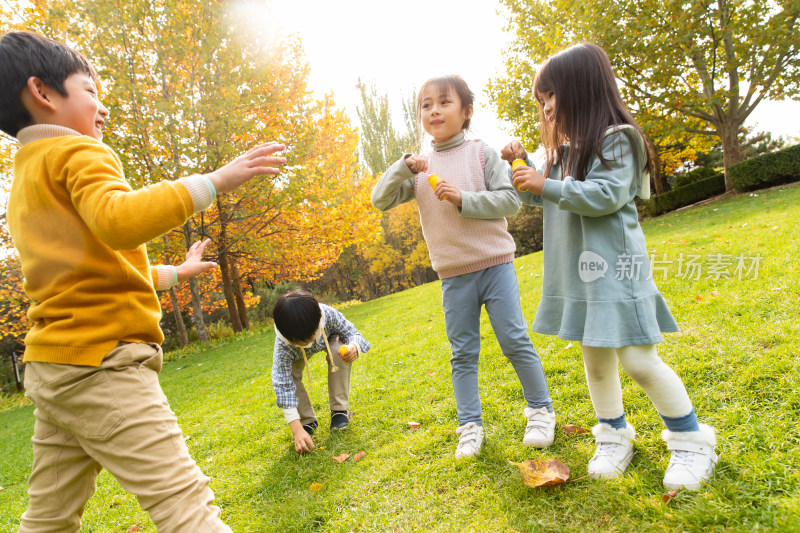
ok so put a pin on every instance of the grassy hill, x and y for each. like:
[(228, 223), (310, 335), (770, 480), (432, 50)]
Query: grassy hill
[(736, 352)]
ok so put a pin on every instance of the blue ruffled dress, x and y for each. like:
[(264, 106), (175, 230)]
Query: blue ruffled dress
[(597, 286)]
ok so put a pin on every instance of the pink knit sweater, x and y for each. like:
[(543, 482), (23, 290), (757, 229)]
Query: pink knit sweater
[(460, 245)]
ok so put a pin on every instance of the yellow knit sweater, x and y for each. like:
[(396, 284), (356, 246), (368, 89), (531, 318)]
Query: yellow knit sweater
[(80, 231)]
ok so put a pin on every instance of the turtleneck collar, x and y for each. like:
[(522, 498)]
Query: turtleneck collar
[(453, 142), (37, 132)]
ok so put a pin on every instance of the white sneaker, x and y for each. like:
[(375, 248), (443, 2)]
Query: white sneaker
[(470, 441), (614, 451), (541, 428), (693, 458)]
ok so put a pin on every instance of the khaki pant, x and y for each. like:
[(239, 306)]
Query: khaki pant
[(338, 384), (114, 416)]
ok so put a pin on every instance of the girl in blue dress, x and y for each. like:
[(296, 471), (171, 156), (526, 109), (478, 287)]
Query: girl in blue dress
[(597, 286)]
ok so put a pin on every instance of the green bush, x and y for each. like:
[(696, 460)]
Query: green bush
[(526, 228), (766, 170), (693, 176), (699, 190)]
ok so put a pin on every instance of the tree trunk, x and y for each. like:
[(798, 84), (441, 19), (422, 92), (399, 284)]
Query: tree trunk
[(183, 338), (659, 180), (197, 311), (224, 268), (729, 136), (194, 288), (239, 295)]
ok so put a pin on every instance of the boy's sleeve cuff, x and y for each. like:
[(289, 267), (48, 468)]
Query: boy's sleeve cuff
[(167, 277), (291, 415), (201, 190)]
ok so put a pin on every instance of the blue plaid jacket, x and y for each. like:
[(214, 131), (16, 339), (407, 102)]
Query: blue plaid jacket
[(285, 354)]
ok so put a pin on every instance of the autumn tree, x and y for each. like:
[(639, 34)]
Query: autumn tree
[(396, 258), (694, 66), (190, 85)]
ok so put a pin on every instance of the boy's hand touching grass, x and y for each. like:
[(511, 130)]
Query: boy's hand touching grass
[(256, 162), (303, 442)]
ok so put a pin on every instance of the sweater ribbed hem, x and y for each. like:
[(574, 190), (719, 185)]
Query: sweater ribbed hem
[(475, 267), (69, 355)]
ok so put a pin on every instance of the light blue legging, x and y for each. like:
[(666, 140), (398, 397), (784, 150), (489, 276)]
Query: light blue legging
[(462, 296)]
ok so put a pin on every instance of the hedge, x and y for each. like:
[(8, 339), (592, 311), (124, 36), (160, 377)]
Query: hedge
[(693, 176), (766, 170), (694, 192)]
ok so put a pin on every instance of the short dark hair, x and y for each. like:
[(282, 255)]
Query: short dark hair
[(297, 315), (24, 54)]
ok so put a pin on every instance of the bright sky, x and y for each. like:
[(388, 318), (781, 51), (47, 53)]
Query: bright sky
[(399, 45)]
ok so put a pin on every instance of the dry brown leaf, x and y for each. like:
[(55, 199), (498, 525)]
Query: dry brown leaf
[(430, 372), (669, 495), (133, 529), (538, 473), (413, 425), (574, 430), (358, 456), (341, 458), (315, 487)]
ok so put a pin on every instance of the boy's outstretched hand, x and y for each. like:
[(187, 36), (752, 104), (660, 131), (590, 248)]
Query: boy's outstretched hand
[(194, 263), (256, 162)]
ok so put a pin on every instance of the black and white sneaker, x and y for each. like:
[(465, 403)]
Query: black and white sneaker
[(339, 419), (311, 427)]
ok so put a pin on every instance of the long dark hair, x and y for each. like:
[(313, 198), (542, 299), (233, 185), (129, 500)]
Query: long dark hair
[(587, 103)]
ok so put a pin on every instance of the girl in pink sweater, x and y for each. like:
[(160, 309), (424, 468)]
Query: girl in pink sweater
[(464, 225)]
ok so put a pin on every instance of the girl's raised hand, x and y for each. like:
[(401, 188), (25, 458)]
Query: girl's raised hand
[(528, 179), (512, 151), (416, 163), (256, 162)]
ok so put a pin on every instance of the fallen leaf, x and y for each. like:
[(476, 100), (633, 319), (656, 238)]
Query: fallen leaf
[(244, 400), (699, 298), (315, 487), (669, 495), (413, 425), (358, 456), (715, 293), (574, 430), (341, 458), (432, 399), (430, 372), (538, 473), (133, 529)]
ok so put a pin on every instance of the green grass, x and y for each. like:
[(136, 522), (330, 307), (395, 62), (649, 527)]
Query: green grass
[(736, 354)]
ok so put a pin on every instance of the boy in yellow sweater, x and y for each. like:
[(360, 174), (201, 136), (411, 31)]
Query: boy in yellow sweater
[(93, 353)]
